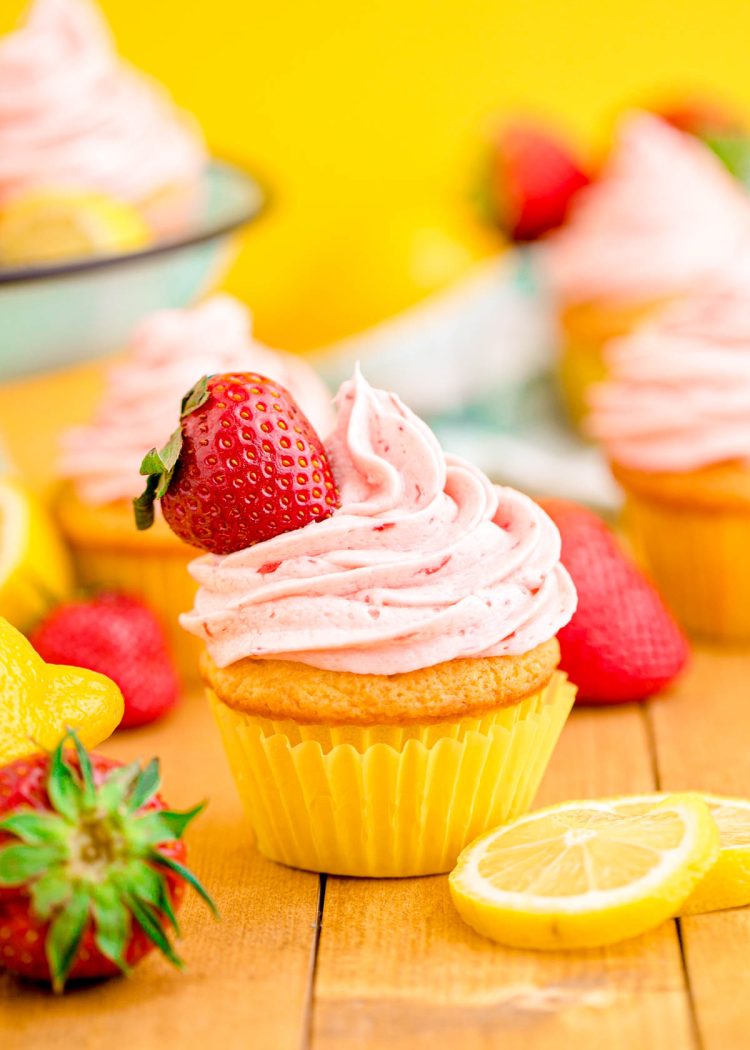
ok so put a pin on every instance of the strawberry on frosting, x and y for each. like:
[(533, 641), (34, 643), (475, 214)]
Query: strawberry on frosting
[(679, 394), (169, 352), (73, 114), (424, 561), (663, 215)]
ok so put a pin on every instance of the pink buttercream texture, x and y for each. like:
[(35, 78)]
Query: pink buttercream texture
[(679, 394), (425, 561), (73, 115), (661, 218), (170, 351)]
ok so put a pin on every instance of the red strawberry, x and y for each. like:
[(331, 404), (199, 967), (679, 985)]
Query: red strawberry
[(91, 866), (534, 178), (245, 465), (622, 644), (121, 638)]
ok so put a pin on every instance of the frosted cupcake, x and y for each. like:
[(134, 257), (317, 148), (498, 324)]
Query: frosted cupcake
[(674, 420), (663, 215), (101, 461), (81, 128), (385, 679)]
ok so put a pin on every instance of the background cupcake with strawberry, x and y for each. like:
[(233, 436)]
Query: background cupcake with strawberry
[(661, 218), (379, 622), (100, 461)]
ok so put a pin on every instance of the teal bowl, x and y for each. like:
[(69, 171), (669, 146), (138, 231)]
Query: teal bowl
[(55, 316)]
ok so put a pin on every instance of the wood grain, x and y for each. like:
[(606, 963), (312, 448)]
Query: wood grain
[(702, 741), (248, 976), (397, 968)]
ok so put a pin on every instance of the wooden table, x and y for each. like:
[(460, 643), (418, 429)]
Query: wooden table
[(343, 964)]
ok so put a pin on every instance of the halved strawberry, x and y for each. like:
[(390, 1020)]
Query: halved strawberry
[(245, 464)]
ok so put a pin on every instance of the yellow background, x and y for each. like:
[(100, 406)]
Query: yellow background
[(366, 118)]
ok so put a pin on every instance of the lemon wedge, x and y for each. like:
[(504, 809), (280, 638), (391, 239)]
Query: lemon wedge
[(45, 226), (35, 571), (727, 884), (586, 874)]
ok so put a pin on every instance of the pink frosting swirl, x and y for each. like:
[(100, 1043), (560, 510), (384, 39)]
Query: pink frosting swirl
[(73, 115), (679, 394), (663, 216), (170, 351), (425, 561)]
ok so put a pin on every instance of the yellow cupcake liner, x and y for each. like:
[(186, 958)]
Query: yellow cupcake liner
[(700, 561), (585, 332), (159, 577), (388, 801), (579, 369)]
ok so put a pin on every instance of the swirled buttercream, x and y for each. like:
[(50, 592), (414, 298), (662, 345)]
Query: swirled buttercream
[(679, 394), (72, 114), (170, 351), (425, 561), (663, 215)]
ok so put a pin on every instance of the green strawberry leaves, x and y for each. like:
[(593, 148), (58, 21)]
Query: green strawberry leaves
[(94, 860), (64, 937), (159, 465), (733, 150)]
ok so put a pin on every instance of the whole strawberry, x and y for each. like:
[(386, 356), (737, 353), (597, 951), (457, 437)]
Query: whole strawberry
[(120, 637), (622, 644), (91, 866), (534, 179), (244, 465)]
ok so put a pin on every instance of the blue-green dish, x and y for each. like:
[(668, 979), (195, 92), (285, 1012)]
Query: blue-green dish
[(55, 316)]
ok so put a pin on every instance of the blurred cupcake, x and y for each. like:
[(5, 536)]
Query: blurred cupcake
[(88, 145), (169, 352), (660, 219), (385, 679), (674, 420)]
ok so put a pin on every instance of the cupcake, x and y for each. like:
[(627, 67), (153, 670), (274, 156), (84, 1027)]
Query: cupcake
[(674, 420), (663, 215), (385, 679), (83, 131), (100, 462)]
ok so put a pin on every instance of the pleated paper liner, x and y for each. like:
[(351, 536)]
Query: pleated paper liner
[(700, 561), (389, 800), (159, 577)]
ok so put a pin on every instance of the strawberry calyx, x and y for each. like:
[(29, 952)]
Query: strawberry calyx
[(159, 464), (94, 858)]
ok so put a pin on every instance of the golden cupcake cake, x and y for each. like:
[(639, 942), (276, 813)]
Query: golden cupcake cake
[(100, 461), (384, 678), (661, 218), (94, 155), (674, 421)]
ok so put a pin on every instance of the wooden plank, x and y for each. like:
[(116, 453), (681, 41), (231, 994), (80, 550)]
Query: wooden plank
[(397, 968), (702, 740), (248, 976)]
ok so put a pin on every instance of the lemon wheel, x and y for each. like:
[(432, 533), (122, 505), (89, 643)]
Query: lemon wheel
[(586, 874), (50, 226), (35, 572)]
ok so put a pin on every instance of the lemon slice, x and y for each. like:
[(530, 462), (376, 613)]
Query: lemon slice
[(49, 226), (727, 884), (585, 874), (35, 571)]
